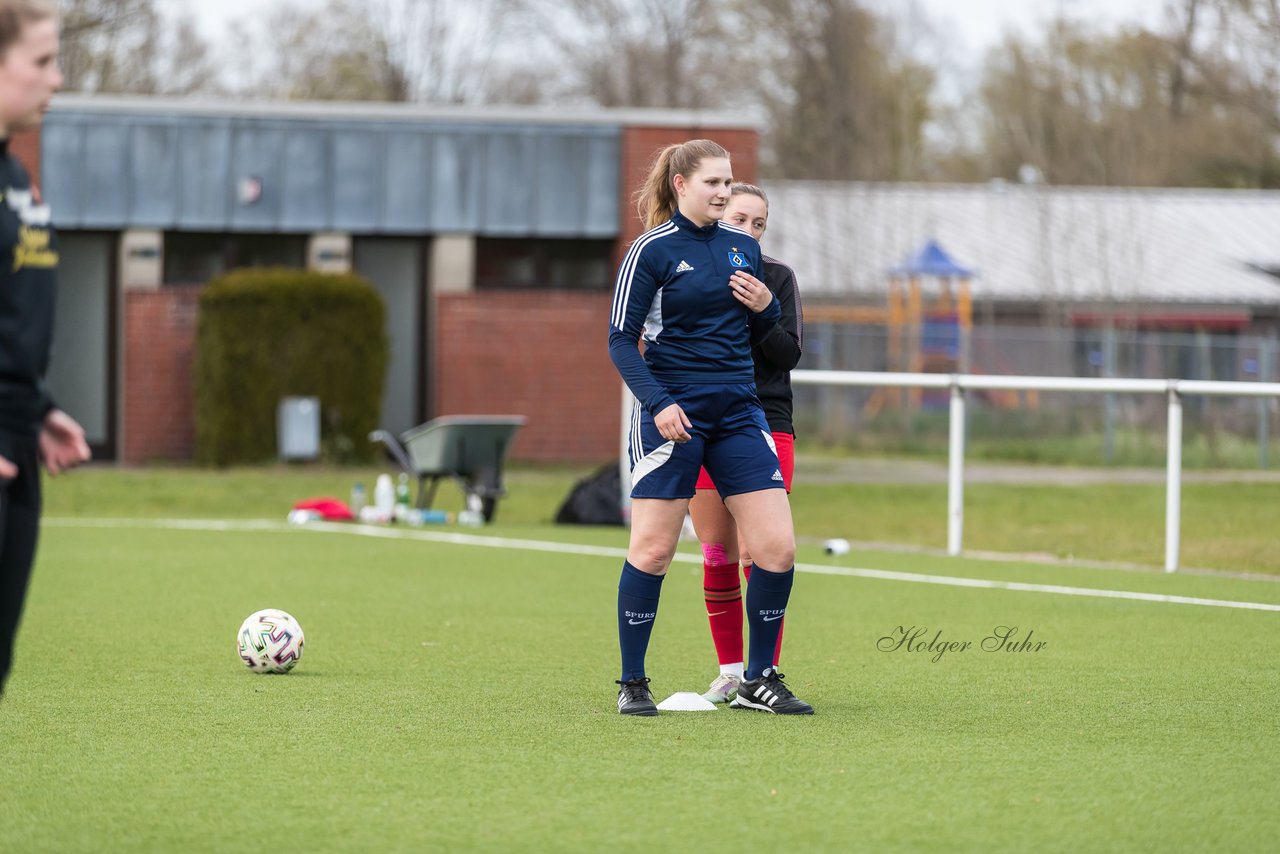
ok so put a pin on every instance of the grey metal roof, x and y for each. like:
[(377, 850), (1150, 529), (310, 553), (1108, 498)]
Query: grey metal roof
[(402, 112), (114, 163), (1031, 243)]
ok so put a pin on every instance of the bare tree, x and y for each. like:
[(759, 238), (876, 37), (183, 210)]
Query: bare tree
[(1250, 30), (435, 51), (836, 94), (335, 52), (128, 46), (1134, 108), (641, 53), (842, 98), (453, 50)]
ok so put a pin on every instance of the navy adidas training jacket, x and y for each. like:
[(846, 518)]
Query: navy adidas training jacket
[(673, 290)]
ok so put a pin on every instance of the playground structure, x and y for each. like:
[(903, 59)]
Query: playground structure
[(928, 318)]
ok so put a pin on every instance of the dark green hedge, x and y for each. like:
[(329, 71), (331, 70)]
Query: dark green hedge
[(268, 333)]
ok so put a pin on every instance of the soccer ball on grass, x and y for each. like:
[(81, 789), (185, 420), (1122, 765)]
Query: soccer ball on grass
[(270, 641)]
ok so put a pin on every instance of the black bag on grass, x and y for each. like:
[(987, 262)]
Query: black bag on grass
[(594, 500)]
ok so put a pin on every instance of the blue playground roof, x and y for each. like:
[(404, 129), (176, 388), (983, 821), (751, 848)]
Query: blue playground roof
[(931, 260)]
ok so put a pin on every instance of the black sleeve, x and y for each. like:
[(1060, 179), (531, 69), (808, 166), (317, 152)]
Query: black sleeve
[(780, 342)]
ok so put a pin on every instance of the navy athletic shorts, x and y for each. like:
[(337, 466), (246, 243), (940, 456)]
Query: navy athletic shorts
[(730, 438)]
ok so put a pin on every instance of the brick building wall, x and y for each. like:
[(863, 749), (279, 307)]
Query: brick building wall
[(541, 354), (159, 384)]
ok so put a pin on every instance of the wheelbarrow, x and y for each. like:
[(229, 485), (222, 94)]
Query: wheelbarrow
[(470, 449)]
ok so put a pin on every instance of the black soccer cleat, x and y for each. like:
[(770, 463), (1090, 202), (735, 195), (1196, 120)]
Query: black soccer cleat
[(768, 694), (634, 698)]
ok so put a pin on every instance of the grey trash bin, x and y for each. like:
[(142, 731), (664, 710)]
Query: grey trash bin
[(298, 428)]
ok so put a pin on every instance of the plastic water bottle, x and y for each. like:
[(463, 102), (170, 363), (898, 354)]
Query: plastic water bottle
[(358, 499), (473, 516), (402, 498), (384, 498), (417, 518)]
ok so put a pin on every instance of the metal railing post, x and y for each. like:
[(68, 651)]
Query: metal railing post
[(955, 471), (1264, 375), (1173, 487), (1109, 399)]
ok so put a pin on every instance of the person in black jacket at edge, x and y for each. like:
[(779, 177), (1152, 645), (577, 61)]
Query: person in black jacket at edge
[(32, 428)]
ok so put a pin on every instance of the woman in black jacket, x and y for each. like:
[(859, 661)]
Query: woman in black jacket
[(32, 429)]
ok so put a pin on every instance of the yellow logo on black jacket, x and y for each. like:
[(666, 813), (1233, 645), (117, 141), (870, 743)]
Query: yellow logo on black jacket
[(33, 249)]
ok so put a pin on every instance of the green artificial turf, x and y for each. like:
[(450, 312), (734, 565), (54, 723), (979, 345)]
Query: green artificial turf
[(460, 697)]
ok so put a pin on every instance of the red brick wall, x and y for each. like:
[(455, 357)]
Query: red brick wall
[(641, 144), (159, 388), (541, 354), (25, 146)]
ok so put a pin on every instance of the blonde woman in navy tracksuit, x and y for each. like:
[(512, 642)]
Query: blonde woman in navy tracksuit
[(688, 286), (32, 429)]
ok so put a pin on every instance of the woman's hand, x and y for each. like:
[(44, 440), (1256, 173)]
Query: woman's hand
[(62, 443), (750, 291), (673, 424)]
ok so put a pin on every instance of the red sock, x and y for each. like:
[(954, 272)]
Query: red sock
[(777, 650), (723, 595)]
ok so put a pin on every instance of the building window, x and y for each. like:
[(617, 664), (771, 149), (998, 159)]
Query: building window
[(197, 257), (515, 263)]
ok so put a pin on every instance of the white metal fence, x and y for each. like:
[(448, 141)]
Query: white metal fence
[(1220, 428), (1173, 389)]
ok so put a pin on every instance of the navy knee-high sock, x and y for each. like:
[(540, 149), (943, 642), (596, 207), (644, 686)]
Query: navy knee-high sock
[(637, 608), (767, 595)]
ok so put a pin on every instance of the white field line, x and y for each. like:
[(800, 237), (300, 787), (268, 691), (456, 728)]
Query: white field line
[(610, 551)]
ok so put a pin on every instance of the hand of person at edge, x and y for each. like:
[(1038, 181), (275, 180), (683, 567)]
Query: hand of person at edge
[(62, 443), (8, 471), (673, 424), (750, 291)]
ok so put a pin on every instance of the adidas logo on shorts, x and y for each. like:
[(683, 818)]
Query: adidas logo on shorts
[(777, 474), (685, 267)]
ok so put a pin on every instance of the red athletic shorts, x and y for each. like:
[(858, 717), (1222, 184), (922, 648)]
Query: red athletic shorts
[(786, 445)]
